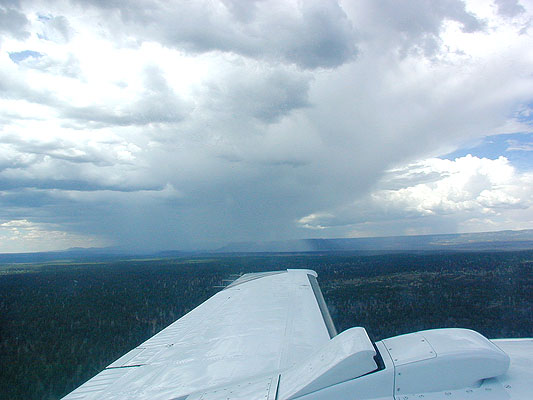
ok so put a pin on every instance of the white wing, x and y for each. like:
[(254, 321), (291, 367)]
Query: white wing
[(269, 336)]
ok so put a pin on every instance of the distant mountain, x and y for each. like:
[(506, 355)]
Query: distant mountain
[(501, 240), (91, 254), (72, 254)]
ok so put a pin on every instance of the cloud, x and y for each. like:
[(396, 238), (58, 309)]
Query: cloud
[(156, 103), (311, 34), (413, 26), (265, 94), (465, 184), (14, 87), (457, 192), (164, 125), (66, 67), (509, 8), (13, 22), (69, 159), (26, 236), (514, 145), (55, 28), (61, 149)]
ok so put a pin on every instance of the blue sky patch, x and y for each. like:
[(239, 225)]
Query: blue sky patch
[(20, 56), (516, 147)]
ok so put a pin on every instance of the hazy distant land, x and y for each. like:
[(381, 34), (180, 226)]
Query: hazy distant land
[(501, 240), (509, 240)]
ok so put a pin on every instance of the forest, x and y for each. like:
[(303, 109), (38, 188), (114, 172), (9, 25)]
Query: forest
[(63, 322)]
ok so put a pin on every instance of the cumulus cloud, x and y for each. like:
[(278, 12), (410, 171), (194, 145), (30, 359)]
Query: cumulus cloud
[(25, 236), (466, 184), (457, 192)]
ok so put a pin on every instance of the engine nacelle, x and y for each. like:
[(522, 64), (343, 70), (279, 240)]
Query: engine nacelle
[(443, 359)]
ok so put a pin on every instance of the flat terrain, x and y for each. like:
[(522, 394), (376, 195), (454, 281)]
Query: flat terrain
[(62, 322)]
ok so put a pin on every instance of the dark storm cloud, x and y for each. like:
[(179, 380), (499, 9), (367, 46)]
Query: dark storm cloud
[(15, 199), (12, 21), (137, 220), (311, 34), (327, 37), (264, 94), (64, 184)]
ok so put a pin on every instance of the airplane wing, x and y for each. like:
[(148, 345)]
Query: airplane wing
[(269, 336)]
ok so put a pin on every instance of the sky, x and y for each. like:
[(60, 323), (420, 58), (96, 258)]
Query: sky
[(152, 125)]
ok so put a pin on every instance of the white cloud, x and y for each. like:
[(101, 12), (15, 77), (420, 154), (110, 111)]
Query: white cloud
[(516, 146), (469, 184), (19, 236), (461, 192), (55, 28), (310, 221)]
